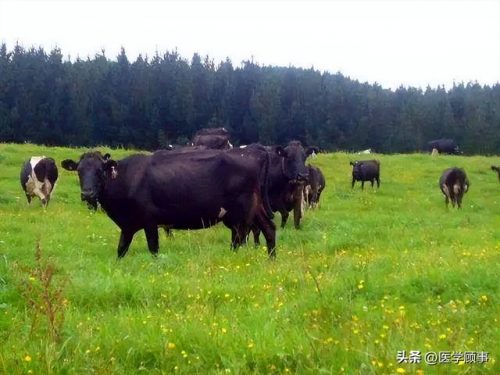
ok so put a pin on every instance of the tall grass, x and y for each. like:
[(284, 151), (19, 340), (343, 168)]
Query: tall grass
[(370, 273)]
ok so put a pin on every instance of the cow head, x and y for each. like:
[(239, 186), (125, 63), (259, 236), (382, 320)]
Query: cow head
[(356, 166), (93, 169), (294, 158)]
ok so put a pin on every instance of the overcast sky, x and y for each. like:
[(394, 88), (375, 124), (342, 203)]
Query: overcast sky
[(405, 42)]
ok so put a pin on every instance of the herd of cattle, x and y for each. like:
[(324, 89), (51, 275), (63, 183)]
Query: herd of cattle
[(197, 186)]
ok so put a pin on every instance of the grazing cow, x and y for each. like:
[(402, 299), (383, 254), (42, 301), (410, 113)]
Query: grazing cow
[(190, 190), (496, 168), (314, 186), (365, 170), (454, 184), (38, 178), (214, 138), (444, 146)]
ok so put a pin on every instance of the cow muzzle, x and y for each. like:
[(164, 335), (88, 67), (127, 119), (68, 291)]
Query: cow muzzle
[(91, 199)]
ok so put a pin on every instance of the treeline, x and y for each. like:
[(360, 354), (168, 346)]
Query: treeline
[(155, 101)]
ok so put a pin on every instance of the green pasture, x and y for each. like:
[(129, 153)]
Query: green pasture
[(370, 273)]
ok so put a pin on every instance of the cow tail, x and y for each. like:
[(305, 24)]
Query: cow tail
[(265, 187)]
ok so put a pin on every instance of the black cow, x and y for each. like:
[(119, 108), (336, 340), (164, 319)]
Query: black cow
[(314, 186), (497, 169), (255, 151), (444, 146), (454, 184), (365, 170), (214, 138), (176, 190), (287, 177), (38, 178)]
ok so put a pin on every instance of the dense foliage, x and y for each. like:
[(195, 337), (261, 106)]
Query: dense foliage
[(151, 102)]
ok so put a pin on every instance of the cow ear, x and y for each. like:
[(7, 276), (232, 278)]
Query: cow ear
[(69, 165), (106, 157), (351, 163), (111, 168), (280, 151)]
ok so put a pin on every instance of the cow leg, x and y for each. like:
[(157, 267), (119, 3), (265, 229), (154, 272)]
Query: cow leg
[(234, 234), (256, 234), (152, 239), (353, 182), (372, 181), (459, 200), (28, 197), (313, 200), (296, 217), (446, 193), (378, 182), (168, 231), (125, 240), (238, 235), (266, 225), (297, 213), (284, 217), (363, 185), (452, 198)]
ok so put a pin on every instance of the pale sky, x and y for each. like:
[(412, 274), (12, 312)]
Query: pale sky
[(405, 42)]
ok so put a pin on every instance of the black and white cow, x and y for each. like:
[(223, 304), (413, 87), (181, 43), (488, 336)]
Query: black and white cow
[(38, 178), (314, 186), (454, 184)]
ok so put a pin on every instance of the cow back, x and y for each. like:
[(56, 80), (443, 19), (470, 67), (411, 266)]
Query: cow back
[(366, 169)]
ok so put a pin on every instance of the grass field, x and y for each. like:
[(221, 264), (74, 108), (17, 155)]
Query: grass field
[(369, 274)]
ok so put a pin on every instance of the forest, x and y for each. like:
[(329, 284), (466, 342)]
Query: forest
[(49, 99)]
